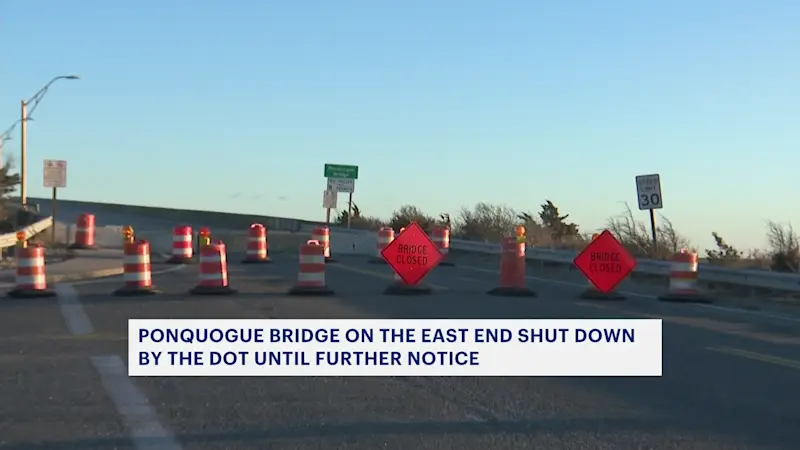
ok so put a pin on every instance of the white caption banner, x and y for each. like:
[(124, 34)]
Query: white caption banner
[(462, 347)]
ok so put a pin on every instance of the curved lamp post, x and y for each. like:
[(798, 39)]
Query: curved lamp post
[(27, 109)]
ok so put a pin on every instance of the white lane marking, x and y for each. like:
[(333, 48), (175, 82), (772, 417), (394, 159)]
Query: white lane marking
[(115, 279), (75, 317), (653, 297), (146, 431), (750, 313)]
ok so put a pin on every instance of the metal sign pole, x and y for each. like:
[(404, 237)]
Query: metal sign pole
[(53, 213), (349, 209)]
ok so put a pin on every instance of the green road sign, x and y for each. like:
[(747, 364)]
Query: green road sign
[(340, 171)]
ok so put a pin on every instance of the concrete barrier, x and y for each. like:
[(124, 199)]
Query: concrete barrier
[(214, 219)]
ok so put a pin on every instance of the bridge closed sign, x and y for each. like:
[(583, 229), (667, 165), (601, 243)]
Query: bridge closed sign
[(55, 173)]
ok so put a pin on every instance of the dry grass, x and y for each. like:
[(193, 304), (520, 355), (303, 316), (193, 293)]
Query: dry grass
[(489, 223)]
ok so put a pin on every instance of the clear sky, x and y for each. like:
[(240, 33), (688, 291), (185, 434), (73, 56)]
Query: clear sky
[(236, 106)]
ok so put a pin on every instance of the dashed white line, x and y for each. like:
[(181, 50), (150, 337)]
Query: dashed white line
[(750, 313), (146, 431), (75, 317)]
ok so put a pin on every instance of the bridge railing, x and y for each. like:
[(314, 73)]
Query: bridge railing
[(709, 274), (10, 239)]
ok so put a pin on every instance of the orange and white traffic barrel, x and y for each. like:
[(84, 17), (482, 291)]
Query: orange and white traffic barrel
[(213, 271), (137, 276), (385, 237), (257, 245), (683, 283), (441, 238), (84, 232), (323, 236), (311, 271), (182, 249), (31, 276), (513, 282), (591, 292)]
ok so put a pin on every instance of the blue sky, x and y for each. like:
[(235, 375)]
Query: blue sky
[(236, 106)]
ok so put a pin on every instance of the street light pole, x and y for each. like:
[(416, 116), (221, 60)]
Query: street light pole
[(23, 131)]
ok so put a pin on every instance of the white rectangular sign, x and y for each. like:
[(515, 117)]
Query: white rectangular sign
[(329, 199), (345, 185), (55, 173), (648, 191)]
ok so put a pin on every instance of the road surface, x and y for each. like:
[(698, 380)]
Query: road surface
[(730, 380)]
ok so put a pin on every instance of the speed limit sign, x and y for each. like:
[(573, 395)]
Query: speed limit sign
[(648, 191)]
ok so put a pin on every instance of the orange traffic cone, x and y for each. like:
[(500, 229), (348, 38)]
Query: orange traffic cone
[(512, 270)]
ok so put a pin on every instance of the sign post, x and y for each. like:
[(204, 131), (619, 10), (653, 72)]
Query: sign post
[(412, 255), (55, 177), (605, 263), (329, 199), (341, 178), (648, 192)]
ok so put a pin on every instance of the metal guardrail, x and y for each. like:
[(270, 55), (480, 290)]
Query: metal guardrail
[(10, 239), (706, 273)]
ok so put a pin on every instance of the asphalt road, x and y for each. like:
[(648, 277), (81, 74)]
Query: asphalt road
[(730, 379)]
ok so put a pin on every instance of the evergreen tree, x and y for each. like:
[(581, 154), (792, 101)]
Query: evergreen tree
[(552, 220), (9, 182), (407, 214), (724, 253)]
